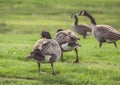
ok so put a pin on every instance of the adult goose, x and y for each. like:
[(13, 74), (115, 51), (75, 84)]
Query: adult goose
[(82, 29), (103, 33), (46, 49), (68, 41)]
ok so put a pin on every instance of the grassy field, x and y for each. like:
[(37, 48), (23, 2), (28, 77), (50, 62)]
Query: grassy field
[(21, 21)]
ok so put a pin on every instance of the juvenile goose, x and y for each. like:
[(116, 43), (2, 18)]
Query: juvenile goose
[(82, 29), (103, 33), (46, 50), (68, 42)]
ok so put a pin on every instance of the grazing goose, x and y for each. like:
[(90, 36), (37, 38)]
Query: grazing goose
[(46, 50), (67, 41), (82, 29), (103, 33)]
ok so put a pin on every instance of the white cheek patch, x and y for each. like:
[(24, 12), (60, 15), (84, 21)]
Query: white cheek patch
[(47, 58), (82, 13), (89, 33)]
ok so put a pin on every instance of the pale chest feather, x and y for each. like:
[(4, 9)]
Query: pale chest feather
[(74, 27), (65, 47), (89, 33), (95, 33), (47, 58), (110, 41)]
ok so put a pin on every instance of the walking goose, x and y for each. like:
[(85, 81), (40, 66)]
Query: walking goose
[(46, 50), (82, 29), (68, 42), (103, 33)]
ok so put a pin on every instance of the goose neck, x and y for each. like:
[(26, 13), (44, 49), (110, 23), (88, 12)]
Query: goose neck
[(91, 19), (76, 20)]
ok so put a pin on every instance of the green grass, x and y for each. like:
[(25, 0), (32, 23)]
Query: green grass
[(21, 21)]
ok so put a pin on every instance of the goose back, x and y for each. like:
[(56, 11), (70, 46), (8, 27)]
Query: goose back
[(67, 40), (65, 37), (46, 49)]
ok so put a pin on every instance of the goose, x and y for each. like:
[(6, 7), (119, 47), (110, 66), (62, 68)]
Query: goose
[(103, 33), (46, 50), (82, 29), (68, 42)]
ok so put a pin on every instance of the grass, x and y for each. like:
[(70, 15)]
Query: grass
[(21, 21)]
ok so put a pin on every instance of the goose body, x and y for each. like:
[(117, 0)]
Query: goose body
[(67, 41), (103, 33), (82, 29), (46, 50)]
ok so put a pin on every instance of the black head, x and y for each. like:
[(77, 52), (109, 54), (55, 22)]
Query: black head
[(83, 13), (45, 34), (73, 16), (60, 30)]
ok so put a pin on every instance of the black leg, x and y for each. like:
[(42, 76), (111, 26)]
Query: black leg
[(77, 60), (62, 56), (115, 44), (100, 44), (52, 68), (38, 66), (84, 36)]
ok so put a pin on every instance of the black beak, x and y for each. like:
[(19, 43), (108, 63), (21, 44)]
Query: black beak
[(29, 57), (78, 38)]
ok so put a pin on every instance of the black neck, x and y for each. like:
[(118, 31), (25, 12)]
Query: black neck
[(76, 20), (91, 18)]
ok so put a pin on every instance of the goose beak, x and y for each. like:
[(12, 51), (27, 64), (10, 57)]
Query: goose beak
[(77, 44), (78, 38)]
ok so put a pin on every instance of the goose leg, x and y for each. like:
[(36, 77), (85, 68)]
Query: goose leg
[(115, 44), (38, 67), (52, 68), (62, 56), (84, 36), (100, 44), (77, 60)]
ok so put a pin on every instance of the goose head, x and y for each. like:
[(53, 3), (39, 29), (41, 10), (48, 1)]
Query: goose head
[(59, 30), (82, 13), (45, 34)]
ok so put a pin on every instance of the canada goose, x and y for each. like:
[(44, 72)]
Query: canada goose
[(46, 50), (103, 33), (67, 41), (82, 29)]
